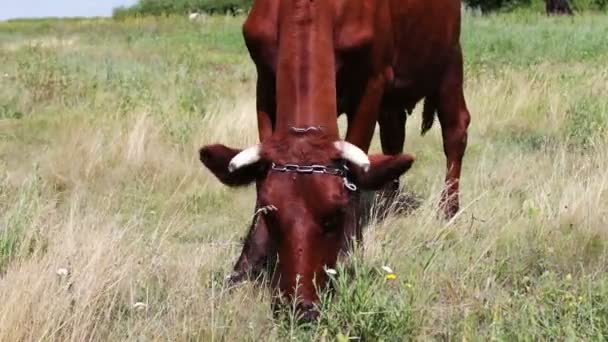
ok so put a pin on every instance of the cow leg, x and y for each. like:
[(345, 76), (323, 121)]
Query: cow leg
[(454, 119), (362, 122), (265, 103), (353, 235), (361, 125), (392, 130), (256, 247), (392, 137), (255, 253)]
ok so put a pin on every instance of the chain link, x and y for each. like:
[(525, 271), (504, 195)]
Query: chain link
[(306, 129), (265, 209), (349, 185), (328, 170), (319, 169)]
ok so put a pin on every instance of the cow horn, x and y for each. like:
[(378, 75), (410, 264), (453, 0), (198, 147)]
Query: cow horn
[(246, 157), (353, 154)]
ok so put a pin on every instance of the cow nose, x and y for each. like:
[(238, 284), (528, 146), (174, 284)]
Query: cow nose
[(307, 312)]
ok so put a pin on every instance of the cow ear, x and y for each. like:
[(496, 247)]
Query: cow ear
[(217, 159), (383, 169)]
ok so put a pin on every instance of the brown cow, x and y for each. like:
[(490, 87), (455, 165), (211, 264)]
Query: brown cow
[(373, 61)]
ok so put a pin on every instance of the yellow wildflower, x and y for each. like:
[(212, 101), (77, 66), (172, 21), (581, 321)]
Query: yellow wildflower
[(391, 276)]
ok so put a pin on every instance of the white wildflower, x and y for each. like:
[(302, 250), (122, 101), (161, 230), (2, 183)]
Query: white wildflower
[(331, 271), (140, 306), (62, 272)]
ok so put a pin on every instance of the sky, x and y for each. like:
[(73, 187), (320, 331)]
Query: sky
[(10, 9)]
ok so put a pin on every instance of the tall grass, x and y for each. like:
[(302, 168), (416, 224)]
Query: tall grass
[(110, 229)]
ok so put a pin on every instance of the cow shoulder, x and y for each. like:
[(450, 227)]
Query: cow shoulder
[(355, 24), (260, 29)]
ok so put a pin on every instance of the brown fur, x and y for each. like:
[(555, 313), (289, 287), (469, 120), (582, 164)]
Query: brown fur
[(372, 60), (300, 148)]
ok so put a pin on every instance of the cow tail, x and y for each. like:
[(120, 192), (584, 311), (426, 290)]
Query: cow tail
[(428, 115)]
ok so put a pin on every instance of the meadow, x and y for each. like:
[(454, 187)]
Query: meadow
[(111, 229)]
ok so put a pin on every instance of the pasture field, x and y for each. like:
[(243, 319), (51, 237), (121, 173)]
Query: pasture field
[(111, 229)]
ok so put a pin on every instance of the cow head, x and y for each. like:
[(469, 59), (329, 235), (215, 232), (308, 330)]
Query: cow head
[(313, 215)]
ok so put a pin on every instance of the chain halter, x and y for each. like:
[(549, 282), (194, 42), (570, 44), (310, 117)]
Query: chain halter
[(341, 171), (318, 169)]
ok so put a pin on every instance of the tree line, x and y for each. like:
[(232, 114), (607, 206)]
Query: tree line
[(169, 7)]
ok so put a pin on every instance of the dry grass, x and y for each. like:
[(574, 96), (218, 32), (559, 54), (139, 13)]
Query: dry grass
[(100, 177)]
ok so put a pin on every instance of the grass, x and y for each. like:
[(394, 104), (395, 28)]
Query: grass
[(100, 122)]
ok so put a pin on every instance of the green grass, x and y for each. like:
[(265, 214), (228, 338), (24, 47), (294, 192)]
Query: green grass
[(100, 122)]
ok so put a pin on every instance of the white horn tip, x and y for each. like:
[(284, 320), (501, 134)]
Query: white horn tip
[(246, 157), (353, 154)]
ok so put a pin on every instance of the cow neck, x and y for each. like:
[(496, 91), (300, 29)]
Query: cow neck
[(306, 80)]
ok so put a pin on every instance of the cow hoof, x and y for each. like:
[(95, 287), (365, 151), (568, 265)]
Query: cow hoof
[(449, 208), (405, 203), (450, 211), (393, 201)]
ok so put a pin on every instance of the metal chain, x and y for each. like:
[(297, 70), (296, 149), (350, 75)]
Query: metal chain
[(265, 209), (306, 129), (262, 210), (328, 170), (320, 169), (349, 185)]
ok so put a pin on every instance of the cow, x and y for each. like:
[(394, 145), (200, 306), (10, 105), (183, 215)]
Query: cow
[(317, 59)]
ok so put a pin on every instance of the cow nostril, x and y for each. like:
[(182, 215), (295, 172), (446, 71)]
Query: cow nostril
[(310, 316)]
